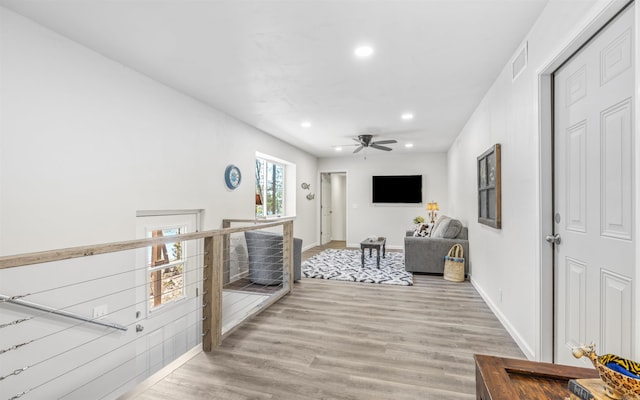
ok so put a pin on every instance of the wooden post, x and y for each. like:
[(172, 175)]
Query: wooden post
[(212, 293), (226, 275), (216, 294), (287, 256)]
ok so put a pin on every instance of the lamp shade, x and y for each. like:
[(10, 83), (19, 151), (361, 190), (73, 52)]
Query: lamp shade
[(258, 199), (432, 206)]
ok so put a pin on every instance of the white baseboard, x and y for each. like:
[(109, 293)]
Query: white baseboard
[(161, 374), (522, 344), (310, 246)]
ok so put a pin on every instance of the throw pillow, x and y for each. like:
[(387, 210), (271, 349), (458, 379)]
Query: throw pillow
[(434, 227), (448, 228), (453, 230), (441, 225), (421, 231)]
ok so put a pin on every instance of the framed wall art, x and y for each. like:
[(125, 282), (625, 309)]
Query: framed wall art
[(490, 188)]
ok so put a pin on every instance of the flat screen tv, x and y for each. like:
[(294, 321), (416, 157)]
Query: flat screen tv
[(397, 189)]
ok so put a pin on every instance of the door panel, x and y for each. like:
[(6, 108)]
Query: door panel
[(617, 154), (594, 194), (577, 183), (616, 312), (325, 205), (575, 284), (169, 329)]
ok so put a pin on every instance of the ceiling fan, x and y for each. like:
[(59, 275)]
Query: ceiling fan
[(366, 141)]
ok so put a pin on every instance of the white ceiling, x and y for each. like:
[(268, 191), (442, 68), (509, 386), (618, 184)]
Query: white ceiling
[(275, 63)]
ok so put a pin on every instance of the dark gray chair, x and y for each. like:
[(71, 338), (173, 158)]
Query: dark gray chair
[(265, 257)]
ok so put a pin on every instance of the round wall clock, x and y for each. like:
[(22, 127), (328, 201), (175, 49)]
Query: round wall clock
[(232, 177)]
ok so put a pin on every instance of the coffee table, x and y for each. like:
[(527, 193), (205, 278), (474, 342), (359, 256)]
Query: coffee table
[(374, 244)]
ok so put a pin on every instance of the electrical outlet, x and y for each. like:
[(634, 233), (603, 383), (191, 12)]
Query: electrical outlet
[(100, 311)]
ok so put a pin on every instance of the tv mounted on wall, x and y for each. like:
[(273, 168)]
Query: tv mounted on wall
[(397, 189)]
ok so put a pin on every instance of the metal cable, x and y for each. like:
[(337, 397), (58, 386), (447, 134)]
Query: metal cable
[(99, 278), (112, 312), (100, 356)]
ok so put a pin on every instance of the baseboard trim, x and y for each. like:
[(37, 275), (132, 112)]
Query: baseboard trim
[(312, 245), (522, 344), (163, 373)]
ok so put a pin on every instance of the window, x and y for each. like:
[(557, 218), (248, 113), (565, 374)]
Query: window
[(166, 269), (270, 188)]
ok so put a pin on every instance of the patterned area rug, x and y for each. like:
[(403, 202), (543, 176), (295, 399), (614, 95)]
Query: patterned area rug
[(346, 265)]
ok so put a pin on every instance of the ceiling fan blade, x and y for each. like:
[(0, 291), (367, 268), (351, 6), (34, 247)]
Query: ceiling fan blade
[(376, 146), (358, 140), (358, 149), (385, 141)]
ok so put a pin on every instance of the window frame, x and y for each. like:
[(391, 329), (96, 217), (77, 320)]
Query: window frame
[(150, 269), (264, 172)]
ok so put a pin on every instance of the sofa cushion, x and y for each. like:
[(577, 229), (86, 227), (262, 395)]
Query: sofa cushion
[(447, 228)]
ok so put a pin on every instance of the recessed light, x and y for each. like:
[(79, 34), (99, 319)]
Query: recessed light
[(363, 51), (338, 148), (305, 124), (408, 145), (407, 116)]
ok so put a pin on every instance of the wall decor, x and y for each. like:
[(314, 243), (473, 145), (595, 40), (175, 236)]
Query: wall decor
[(307, 186), (232, 177), (490, 188)]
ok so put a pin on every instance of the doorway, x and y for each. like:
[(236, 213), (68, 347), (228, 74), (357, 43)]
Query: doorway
[(593, 194), (333, 207)]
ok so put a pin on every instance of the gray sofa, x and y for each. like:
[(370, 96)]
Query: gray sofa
[(265, 257), (426, 254)]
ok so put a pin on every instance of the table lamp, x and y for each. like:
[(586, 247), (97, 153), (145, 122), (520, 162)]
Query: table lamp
[(432, 208)]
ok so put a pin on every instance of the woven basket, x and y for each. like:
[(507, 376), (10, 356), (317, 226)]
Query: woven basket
[(454, 264)]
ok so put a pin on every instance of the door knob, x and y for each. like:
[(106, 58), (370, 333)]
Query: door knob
[(554, 239)]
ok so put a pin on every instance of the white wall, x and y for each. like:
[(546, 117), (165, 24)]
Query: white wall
[(338, 207), (87, 142), (506, 260), (365, 219)]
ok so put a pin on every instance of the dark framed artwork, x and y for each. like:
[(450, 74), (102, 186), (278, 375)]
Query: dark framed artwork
[(490, 188)]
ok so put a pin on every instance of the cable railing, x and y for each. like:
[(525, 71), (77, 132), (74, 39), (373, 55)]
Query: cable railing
[(96, 321), (39, 307)]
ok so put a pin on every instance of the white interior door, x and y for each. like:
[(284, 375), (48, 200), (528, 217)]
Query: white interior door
[(339, 206), (168, 280), (325, 208), (594, 194)]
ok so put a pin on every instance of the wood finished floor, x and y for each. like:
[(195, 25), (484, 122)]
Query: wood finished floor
[(339, 340)]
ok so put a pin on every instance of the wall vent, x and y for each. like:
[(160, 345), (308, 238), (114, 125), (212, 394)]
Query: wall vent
[(520, 62)]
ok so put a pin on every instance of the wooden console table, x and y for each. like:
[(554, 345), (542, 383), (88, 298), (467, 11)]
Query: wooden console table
[(507, 379)]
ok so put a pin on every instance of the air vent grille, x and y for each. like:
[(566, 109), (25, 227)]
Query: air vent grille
[(520, 62)]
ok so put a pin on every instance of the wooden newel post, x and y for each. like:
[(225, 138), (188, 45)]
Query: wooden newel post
[(226, 270), (212, 293), (287, 233)]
